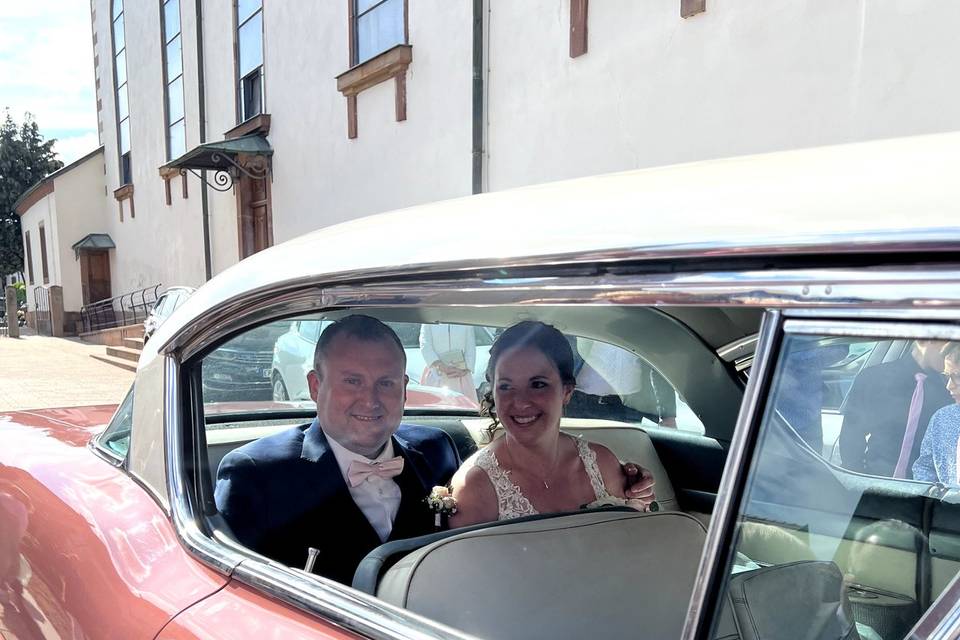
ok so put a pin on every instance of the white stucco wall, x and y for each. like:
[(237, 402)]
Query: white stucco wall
[(162, 243), (320, 177), (746, 76), (42, 212), (79, 203)]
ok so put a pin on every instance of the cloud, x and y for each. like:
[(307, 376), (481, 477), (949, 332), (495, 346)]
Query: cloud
[(73, 147), (46, 62)]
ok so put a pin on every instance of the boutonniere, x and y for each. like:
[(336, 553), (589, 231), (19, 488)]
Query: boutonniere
[(443, 505)]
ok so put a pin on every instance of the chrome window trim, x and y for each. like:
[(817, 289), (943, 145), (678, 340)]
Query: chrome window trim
[(739, 349), (701, 612), (102, 452), (185, 521), (862, 293), (341, 605), (946, 629), (867, 329)]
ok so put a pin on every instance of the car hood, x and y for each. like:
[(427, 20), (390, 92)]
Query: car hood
[(71, 425)]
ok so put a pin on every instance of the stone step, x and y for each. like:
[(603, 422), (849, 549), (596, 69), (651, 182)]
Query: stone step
[(133, 343), (117, 362), (133, 355)]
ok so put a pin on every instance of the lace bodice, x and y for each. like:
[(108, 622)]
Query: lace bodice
[(511, 503)]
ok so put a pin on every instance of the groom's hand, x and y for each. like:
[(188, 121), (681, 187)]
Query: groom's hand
[(639, 484)]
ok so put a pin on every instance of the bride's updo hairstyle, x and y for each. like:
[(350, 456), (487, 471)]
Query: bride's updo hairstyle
[(527, 334)]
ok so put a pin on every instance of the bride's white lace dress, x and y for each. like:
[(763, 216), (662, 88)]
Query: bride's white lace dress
[(511, 503)]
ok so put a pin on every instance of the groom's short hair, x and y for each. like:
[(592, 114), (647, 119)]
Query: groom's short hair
[(361, 327)]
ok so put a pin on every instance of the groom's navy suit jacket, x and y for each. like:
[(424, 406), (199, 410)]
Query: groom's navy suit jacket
[(284, 493)]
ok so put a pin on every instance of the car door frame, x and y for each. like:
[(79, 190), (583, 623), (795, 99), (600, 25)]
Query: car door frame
[(940, 620)]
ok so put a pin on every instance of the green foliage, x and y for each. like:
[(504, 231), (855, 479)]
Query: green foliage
[(21, 292), (25, 158)]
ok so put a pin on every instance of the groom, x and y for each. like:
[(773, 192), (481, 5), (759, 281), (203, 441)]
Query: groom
[(358, 480)]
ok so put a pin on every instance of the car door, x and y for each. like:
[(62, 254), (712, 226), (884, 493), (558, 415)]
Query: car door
[(860, 555)]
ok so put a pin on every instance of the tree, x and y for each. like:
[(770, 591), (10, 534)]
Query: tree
[(25, 158)]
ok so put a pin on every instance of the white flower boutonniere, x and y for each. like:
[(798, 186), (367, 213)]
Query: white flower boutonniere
[(443, 505)]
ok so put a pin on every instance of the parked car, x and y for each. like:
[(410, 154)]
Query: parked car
[(785, 267), (168, 301)]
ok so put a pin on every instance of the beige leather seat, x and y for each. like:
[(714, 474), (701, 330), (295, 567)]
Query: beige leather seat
[(585, 575), (631, 444)]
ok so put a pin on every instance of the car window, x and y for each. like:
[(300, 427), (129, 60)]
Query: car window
[(239, 370), (116, 437), (616, 384), (162, 301), (309, 330), (271, 365), (852, 532)]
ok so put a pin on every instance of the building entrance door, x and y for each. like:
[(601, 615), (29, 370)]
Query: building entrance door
[(95, 276), (255, 226)]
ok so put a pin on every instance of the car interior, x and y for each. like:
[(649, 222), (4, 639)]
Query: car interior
[(877, 550)]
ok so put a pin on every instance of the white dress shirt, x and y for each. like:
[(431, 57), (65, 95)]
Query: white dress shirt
[(378, 498)]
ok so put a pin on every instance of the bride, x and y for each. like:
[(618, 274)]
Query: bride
[(533, 467)]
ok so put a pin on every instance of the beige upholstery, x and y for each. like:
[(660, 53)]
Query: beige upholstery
[(585, 575), (631, 444)]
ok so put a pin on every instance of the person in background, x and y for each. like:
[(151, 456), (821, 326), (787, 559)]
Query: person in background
[(450, 352), (939, 449), (615, 384), (880, 434)]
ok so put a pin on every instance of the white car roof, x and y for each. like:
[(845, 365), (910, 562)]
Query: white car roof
[(877, 196)]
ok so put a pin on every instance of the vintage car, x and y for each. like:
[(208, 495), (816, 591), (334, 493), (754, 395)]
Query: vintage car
[(772, 293)]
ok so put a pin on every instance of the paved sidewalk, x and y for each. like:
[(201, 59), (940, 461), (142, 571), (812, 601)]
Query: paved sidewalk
[(38, 372)]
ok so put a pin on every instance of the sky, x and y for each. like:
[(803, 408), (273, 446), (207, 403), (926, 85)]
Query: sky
[(46, 68)]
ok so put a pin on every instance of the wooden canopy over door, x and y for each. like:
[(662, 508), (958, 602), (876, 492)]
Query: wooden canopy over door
[(95, 275)]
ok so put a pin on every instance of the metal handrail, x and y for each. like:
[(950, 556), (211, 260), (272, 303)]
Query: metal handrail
[(119, 311)]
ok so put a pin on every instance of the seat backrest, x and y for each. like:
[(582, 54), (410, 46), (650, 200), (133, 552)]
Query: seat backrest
[(631, 444), (558, 577)]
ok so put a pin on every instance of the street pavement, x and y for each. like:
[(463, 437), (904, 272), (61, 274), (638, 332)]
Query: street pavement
[(38, 372)]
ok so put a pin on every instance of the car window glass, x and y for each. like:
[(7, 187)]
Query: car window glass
[(116, 437), (239, 370), (616, 384), (162, 302), (269, 364), (852, 532)]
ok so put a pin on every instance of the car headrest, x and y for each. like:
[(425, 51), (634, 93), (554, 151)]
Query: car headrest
[(556, 577)]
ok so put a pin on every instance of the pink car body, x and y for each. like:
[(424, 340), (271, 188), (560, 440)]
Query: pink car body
[(86, 553)]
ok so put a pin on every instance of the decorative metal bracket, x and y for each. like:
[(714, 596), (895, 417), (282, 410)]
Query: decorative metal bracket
[(225, 179)]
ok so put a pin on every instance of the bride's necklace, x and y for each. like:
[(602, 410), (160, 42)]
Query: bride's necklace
[(546, 476)]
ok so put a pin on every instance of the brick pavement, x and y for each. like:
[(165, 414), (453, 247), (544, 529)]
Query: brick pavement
[(38, 372)]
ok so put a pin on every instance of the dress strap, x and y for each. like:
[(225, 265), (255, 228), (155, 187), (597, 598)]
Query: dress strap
[(511, 503), (589, 458)]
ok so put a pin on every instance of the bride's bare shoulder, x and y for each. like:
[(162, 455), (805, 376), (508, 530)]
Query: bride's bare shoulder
[(475, 495)]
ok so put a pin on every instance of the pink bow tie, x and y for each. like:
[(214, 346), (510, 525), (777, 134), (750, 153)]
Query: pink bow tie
[(360, 471)]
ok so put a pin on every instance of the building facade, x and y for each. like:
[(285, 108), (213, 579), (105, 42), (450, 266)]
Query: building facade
[(230, 125), (60, 248)]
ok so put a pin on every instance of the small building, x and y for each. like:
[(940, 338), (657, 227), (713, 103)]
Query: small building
[(63, 219)]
